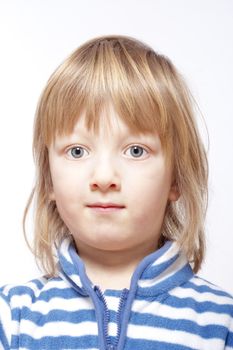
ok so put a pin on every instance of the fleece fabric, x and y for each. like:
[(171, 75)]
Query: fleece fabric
[(167, 307)]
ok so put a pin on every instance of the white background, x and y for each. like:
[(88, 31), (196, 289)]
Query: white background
[(36, 35)]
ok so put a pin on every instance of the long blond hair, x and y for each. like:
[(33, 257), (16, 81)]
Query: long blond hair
[(149, 94)]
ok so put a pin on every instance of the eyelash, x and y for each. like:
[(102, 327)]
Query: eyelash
[(69, 151)]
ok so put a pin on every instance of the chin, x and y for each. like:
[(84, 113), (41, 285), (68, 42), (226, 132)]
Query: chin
[(107, 244)]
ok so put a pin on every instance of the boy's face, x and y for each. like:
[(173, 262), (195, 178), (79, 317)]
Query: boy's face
[(111, 188)]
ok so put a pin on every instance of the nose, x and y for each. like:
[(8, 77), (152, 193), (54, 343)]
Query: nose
[(105, 176)]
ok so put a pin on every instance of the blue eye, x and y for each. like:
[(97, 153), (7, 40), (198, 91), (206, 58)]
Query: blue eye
[(76, 152), (137, 151)]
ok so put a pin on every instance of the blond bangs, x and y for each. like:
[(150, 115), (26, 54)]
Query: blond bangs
[(99, 75)]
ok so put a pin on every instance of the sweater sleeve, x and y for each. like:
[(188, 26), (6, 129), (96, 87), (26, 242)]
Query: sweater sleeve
[(5, 323)]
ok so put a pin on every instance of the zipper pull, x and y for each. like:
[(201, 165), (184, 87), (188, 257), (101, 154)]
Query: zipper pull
[(97, 291)]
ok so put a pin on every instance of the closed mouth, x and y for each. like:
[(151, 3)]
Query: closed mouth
[(106, 205)]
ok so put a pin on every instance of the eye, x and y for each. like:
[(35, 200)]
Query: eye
[(137, 151), (76, 152)]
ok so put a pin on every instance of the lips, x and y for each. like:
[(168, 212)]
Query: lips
[(105, 205)]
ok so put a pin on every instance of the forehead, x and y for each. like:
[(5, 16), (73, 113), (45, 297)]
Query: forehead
[(110, 125)]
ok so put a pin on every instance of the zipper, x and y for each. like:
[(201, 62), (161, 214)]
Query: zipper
[(122, 302), (106, 318)]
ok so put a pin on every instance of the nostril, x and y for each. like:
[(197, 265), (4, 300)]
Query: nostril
[(104, 186)]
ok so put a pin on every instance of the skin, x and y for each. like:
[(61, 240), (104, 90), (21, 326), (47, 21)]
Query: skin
[(107, 168)]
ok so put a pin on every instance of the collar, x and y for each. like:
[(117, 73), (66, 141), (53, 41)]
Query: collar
[(157, 273)]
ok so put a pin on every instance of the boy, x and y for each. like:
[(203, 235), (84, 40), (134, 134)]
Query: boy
[(120, 200)]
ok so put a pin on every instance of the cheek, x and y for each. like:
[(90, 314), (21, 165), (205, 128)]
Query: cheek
[(66, 181), (67, 192), (69, 207), (149, 193), (151, 183)]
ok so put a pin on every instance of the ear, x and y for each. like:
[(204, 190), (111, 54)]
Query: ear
[(174, 193), (51, 195)]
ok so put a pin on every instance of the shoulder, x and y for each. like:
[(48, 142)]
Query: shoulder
[(17, 296), (35, 292), (204, 297), (15, 299), (42, 288), (205, 288), (30, 288)]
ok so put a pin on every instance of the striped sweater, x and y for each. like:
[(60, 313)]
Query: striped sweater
[(166, 308)]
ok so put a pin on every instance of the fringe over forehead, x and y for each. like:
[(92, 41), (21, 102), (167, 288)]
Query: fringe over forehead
[(139, 83)]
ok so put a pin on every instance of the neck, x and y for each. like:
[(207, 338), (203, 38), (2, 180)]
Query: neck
[(112, 269)]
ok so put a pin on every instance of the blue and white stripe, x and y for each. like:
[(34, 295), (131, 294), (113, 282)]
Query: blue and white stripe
[(167, 307)]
